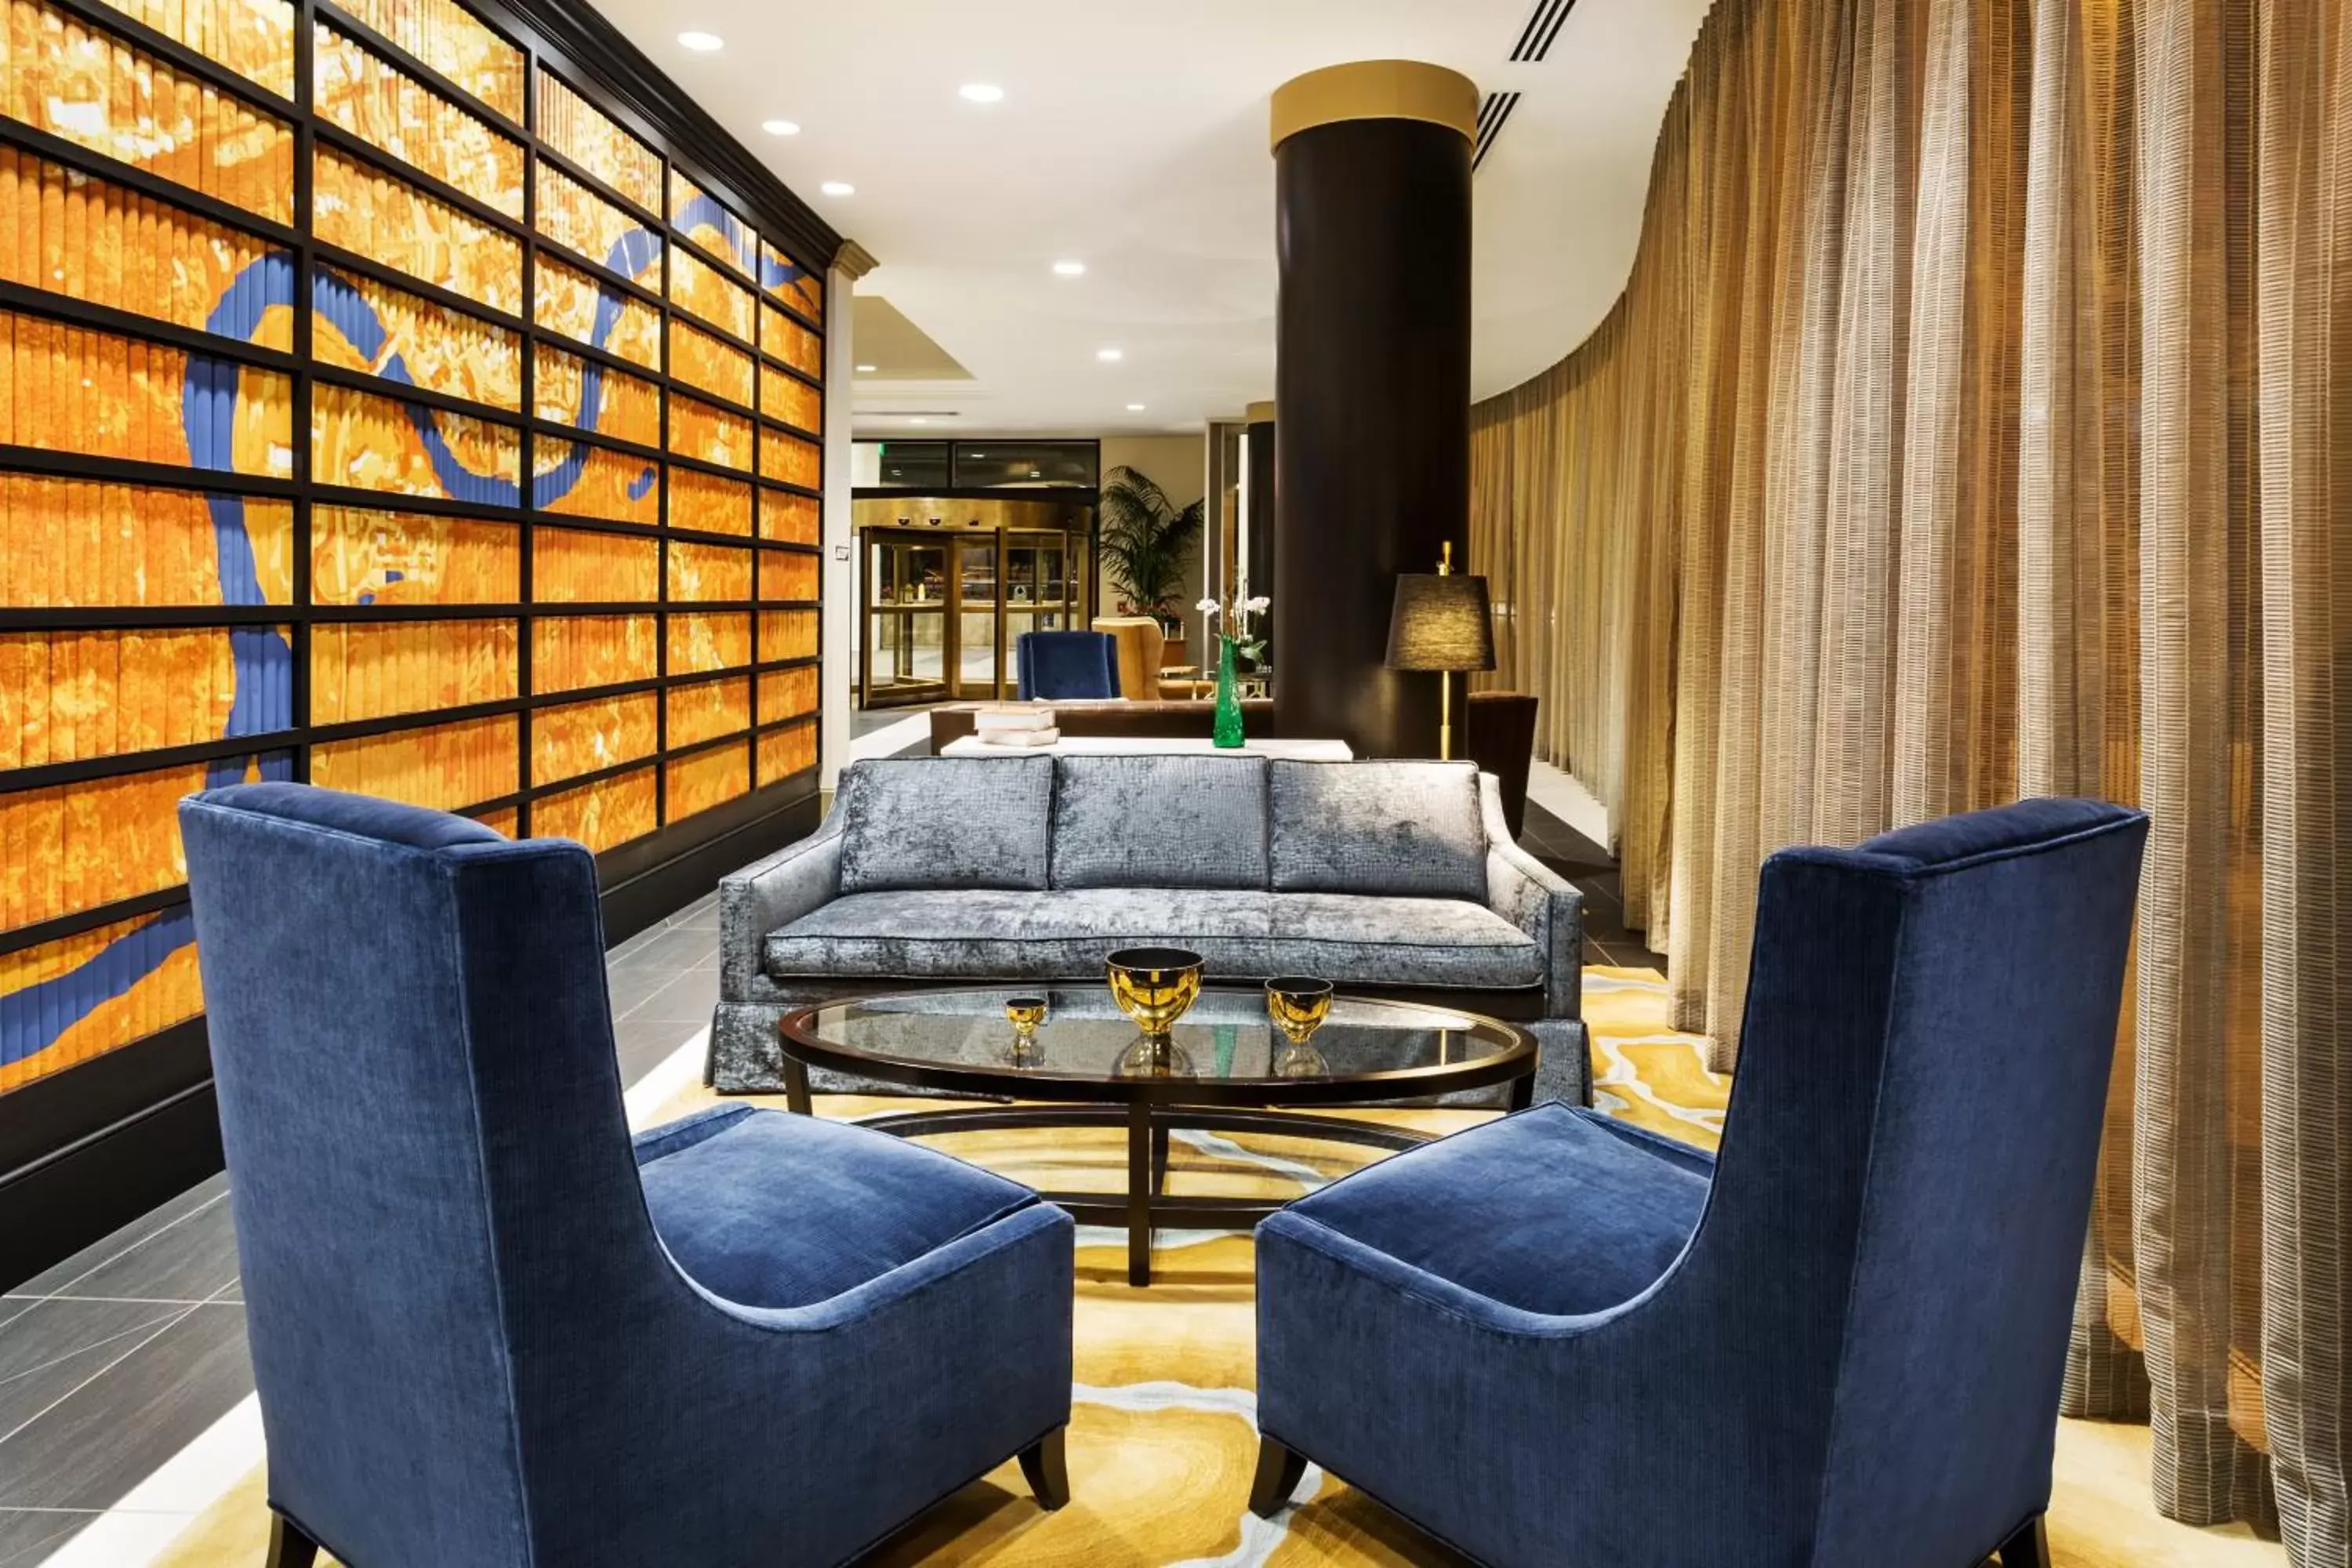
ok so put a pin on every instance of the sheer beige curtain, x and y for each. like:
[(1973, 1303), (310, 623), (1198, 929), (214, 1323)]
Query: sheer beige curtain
[(1977, 422)]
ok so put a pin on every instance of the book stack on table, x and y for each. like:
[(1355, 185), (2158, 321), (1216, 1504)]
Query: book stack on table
[(1016, 726)]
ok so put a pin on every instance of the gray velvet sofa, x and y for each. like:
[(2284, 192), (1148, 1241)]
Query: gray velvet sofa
[(1387, 877)]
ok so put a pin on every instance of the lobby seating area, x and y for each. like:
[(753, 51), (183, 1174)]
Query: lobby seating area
[(1513, 785), (1388, 878)]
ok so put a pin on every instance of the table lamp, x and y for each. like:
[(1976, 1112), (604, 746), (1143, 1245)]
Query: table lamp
[(1441, 623)]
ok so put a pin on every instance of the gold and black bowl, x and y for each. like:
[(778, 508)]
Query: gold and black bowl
[(1155, 986)]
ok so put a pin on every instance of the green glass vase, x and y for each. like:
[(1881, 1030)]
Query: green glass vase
[(1229, 702)]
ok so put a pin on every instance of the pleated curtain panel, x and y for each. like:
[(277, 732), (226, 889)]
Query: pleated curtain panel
[(1977, 423)]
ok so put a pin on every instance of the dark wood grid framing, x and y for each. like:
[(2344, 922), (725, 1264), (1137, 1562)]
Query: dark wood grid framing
[(308, 134)]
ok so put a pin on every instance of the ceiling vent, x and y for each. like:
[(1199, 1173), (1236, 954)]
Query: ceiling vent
[(1534, 43), (1491, 115), (1543, 26)]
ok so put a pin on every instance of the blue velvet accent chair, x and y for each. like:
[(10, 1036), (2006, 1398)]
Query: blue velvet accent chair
[(488, 1331), (1557, 1339), (1066, 667)]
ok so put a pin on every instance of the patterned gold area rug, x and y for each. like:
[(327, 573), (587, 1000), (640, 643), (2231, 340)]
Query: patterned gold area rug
[(1163, 1437)]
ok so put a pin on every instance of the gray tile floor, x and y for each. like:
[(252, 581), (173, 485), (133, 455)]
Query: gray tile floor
[(1594, 872), (114, 1360), (864, 722)]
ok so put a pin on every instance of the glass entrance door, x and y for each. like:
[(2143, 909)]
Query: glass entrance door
[(1037, 586), (905, 648), (978, 671), (944, 612)]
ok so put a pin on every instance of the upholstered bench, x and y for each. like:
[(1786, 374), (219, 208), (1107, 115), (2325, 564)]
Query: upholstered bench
[(1387, 877)]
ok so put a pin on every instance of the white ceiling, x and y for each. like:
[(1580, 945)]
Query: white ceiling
[(1133, 137)]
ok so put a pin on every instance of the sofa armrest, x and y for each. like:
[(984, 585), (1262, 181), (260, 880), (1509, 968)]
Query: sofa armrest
[(796, 880), (1540, 901)]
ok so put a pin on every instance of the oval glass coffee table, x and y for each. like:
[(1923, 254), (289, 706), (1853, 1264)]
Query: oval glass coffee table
[(1245, 1077)]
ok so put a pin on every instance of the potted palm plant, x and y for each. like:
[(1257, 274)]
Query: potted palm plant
[(1147, 540)]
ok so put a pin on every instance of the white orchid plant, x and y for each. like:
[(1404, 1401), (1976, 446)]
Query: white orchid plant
[(1249, 643)]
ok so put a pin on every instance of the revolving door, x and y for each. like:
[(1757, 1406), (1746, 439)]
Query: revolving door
[(942, 608)]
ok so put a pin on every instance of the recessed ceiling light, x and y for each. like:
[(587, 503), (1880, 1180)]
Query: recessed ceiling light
[(701, 43), (781, 127), (1069, 269), (1111, 356), (838, 188), (865, 369), (1135, 408), (982, 92), (917, 419)]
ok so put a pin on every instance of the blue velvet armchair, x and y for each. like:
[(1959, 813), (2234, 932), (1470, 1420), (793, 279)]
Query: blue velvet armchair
[(486, 1329), (1558, 1340), (1066, 667)]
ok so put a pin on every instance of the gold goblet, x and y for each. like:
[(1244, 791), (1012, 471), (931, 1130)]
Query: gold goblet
[(1298, 1004), (1026, 1013), (1155, 986)]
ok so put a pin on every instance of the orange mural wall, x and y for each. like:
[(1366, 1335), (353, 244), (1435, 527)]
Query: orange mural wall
[(461, 453)]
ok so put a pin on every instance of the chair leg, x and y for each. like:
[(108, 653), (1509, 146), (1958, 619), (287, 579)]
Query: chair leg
[(289, 1547), (1047, 1469), (1279, 1470), (2029, 1547)]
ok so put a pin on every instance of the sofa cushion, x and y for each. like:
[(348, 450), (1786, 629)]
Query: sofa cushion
[(946, 821), (1159, 821), (986, 935), (1554, 1210), (1395, 828), (773, 1210)]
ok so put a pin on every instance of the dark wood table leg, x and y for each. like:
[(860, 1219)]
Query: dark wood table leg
[(1141, 1136), (1160, 1159), (1523, 1093), (796, 1088)]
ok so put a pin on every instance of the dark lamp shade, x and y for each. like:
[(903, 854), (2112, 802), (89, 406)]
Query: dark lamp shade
[(1440, 622)]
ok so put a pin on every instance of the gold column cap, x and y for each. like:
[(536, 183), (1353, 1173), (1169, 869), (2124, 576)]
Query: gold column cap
[(1258, 413), (1376, 89)]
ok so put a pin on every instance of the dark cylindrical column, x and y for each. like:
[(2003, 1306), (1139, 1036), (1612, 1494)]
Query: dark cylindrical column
[(1258, 483), (1372, 382)]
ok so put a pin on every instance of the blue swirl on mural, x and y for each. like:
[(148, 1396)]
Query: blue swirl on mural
[(33, 1019), (741, 244), (262, 661)]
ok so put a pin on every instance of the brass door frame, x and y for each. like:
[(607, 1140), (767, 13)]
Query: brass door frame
[(958, 607), (1077, 602), (1075, 608), (867, 540)]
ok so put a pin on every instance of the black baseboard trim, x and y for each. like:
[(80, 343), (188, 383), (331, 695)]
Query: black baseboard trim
[(53, 1209), (85, 1151), (51, 1115)]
